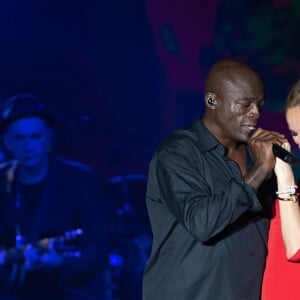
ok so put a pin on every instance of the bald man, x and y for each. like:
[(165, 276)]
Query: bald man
[(210, 187)]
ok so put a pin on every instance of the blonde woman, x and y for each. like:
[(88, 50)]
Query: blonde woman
[(281, 278)]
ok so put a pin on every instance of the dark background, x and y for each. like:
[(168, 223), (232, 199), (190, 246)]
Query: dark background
[(122, 74)]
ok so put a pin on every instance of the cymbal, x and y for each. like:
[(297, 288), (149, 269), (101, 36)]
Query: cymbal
[(127, 188), (127, 178)]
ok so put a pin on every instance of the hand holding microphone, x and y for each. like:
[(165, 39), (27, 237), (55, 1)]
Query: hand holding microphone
[(284, 155), (261, 144), (283, 168)]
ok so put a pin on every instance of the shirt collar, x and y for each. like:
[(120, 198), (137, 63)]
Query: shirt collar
[(206, 141)]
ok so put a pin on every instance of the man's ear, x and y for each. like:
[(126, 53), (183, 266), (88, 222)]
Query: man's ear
[(210, 100)]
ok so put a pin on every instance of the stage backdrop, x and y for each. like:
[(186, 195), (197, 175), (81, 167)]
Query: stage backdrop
[(123, 74)]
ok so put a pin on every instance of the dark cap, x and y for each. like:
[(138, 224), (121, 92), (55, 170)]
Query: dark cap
[(23, 106)]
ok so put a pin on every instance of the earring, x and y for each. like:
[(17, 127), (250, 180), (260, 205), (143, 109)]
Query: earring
[(212, 101)]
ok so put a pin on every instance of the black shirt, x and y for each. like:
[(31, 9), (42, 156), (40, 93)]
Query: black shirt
[(26, 200), (209, 226), (70, 199)]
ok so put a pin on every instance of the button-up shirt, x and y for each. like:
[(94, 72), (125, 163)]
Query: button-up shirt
[(209, 227)]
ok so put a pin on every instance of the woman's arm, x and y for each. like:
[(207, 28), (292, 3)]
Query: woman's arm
[(289, 210)]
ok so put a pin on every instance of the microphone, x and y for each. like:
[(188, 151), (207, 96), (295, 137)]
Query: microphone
[(285, 155)]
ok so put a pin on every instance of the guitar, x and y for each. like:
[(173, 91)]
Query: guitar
[(14, 259)]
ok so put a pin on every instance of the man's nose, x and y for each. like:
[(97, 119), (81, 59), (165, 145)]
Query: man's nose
[(28, 143), (254, 110)]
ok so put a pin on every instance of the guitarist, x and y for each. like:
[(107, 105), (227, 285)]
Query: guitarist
[(43, 196)]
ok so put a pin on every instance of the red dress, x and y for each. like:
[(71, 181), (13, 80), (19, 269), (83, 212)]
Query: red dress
[(282, 277)]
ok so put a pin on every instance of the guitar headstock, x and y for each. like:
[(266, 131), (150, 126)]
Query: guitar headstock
[(66, 244), (73, 234)]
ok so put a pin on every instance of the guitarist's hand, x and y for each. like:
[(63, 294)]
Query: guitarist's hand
[(35, 259)]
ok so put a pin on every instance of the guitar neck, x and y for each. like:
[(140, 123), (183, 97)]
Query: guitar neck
[(64, 244)]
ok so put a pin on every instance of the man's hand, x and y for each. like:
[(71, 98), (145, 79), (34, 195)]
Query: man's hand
[(261, 144), (35, 259)]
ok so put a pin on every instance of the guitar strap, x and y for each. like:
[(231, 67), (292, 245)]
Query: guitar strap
[(25, 200)]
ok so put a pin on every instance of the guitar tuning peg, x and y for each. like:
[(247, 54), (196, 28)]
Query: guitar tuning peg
[(77, 254), (79, 231), (71, 254), (73, 233)]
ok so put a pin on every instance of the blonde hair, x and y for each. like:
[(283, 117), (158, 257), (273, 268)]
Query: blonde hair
[(293, 98)]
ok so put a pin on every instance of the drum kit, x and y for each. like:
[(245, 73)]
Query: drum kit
[(130, 237)]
